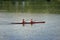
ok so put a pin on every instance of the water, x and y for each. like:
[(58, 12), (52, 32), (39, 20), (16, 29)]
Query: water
[(48, 31)]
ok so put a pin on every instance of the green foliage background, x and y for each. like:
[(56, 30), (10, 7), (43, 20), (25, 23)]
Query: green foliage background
[(34, 6)]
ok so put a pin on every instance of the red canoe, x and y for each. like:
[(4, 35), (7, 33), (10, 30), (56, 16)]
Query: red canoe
[(31, 22), (28, 22)]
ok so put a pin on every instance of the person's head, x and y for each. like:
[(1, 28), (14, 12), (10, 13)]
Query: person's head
[(23, 19), (31, 19)]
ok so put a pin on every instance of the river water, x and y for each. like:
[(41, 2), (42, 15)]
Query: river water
[(47, 31)]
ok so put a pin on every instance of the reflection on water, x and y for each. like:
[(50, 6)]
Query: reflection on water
[(47, 31)]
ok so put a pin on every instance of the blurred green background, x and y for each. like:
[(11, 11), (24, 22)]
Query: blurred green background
[(33, 6)]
